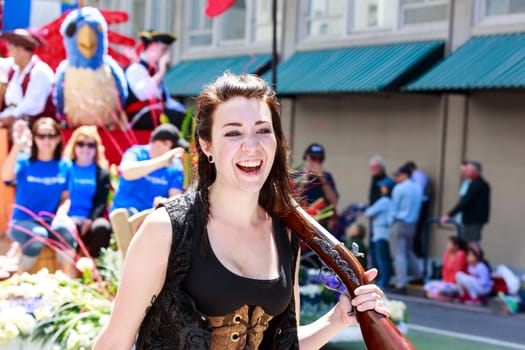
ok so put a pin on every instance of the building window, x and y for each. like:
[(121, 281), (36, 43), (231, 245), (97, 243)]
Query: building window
[(232, 23), (423, 11), (504, 7), (262, 30), (245, 22), (137, 17), (325, 17), (160, 15), (200, 26), (341, 17)]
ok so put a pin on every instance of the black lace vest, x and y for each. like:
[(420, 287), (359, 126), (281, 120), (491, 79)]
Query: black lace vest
[(172, 321)]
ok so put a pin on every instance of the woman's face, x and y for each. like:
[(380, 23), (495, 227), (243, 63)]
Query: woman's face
[(46, 138), (451, 247), (243, 143), (85, 149), (471, 258)]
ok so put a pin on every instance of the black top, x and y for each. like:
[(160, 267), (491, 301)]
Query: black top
[(375, 191), (218, 292), (173, 321), (100, 199), (475, 204)]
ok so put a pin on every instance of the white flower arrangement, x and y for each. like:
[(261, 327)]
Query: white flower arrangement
[(398, 310), (56, 311), (14, 322), (317, 299)]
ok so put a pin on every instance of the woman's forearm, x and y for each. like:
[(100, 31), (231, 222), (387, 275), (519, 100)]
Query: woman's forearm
[(318, 333)]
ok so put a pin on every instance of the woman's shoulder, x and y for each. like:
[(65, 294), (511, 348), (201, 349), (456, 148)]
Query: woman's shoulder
[(156, 228), (165, 224)]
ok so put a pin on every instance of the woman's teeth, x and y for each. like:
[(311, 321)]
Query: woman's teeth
[(250, 166)]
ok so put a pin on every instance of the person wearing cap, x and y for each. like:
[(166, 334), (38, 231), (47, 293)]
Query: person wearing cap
[(380, 212), (314, 182), (406, 204), (148, 98), (151, 173), (29, 82)]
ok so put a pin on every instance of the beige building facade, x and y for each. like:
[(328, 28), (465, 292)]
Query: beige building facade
[(436, 129)]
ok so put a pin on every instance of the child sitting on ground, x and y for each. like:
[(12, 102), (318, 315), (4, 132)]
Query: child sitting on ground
[(477, 283), (454, 260), (356, 233)]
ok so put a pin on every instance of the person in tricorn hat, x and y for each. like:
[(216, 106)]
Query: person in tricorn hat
[(151, 173), (148, 98), (29, 81)]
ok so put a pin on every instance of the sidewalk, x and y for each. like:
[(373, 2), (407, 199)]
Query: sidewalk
[(488, 323)]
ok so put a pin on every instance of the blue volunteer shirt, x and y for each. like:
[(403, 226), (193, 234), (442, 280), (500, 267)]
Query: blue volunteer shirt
[(39, 186), (380, 211), (406, 201), (140, 193), (82, 187)]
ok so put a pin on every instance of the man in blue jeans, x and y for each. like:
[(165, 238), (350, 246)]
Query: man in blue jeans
[(406, 204)]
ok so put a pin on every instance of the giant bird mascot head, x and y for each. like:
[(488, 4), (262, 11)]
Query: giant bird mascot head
[(91, 87)]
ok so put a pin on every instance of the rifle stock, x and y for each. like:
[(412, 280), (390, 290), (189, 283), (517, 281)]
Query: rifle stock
[(379, 333)]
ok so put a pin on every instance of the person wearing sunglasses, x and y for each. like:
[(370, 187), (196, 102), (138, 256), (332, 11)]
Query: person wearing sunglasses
[(89, 188), (42, 180)]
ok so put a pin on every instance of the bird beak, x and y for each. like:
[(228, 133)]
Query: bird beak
[(87, 41)]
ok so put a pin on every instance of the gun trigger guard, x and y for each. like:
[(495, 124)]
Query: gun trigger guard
[(337, 288)]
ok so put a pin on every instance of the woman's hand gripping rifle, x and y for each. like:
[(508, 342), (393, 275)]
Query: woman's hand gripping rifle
[(379, 333)]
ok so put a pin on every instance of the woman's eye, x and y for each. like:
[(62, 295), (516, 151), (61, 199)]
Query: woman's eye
[(232, 133), (265, 131)]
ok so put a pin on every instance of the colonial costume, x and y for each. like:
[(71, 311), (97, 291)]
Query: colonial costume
[(149, 103)]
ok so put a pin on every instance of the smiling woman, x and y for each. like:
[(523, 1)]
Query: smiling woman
[(41, 177), (228, 234)]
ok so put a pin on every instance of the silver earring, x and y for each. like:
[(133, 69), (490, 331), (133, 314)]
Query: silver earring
[(210, 158)]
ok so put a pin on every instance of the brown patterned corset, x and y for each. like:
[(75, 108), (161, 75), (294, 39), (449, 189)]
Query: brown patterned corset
[(239, 330)]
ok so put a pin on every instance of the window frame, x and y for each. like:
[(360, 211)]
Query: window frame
[(427, 25), (386, 24), (215, 31), (166, 7), (483, 19)]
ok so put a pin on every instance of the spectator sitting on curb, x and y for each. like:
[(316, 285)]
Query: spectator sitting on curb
[(475, 285), (454, 260)]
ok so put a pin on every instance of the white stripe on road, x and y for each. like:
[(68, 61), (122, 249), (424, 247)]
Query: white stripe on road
[(465, 336)]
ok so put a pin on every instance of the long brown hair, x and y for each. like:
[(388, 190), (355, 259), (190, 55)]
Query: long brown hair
[(57, 154), (276, 193), (87, 131)]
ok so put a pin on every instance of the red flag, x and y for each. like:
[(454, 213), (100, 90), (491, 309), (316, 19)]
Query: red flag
[(216, 7)]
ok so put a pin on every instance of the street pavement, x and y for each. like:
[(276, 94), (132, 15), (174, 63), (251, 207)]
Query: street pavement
[(489, 323)]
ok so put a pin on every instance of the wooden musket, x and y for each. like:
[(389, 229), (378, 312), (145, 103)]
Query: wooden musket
[(379, 333)]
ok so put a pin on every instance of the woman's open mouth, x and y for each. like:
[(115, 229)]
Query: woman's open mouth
[(250, 167)]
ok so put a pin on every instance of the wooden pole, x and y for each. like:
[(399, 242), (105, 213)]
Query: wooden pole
[(274, 45)]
